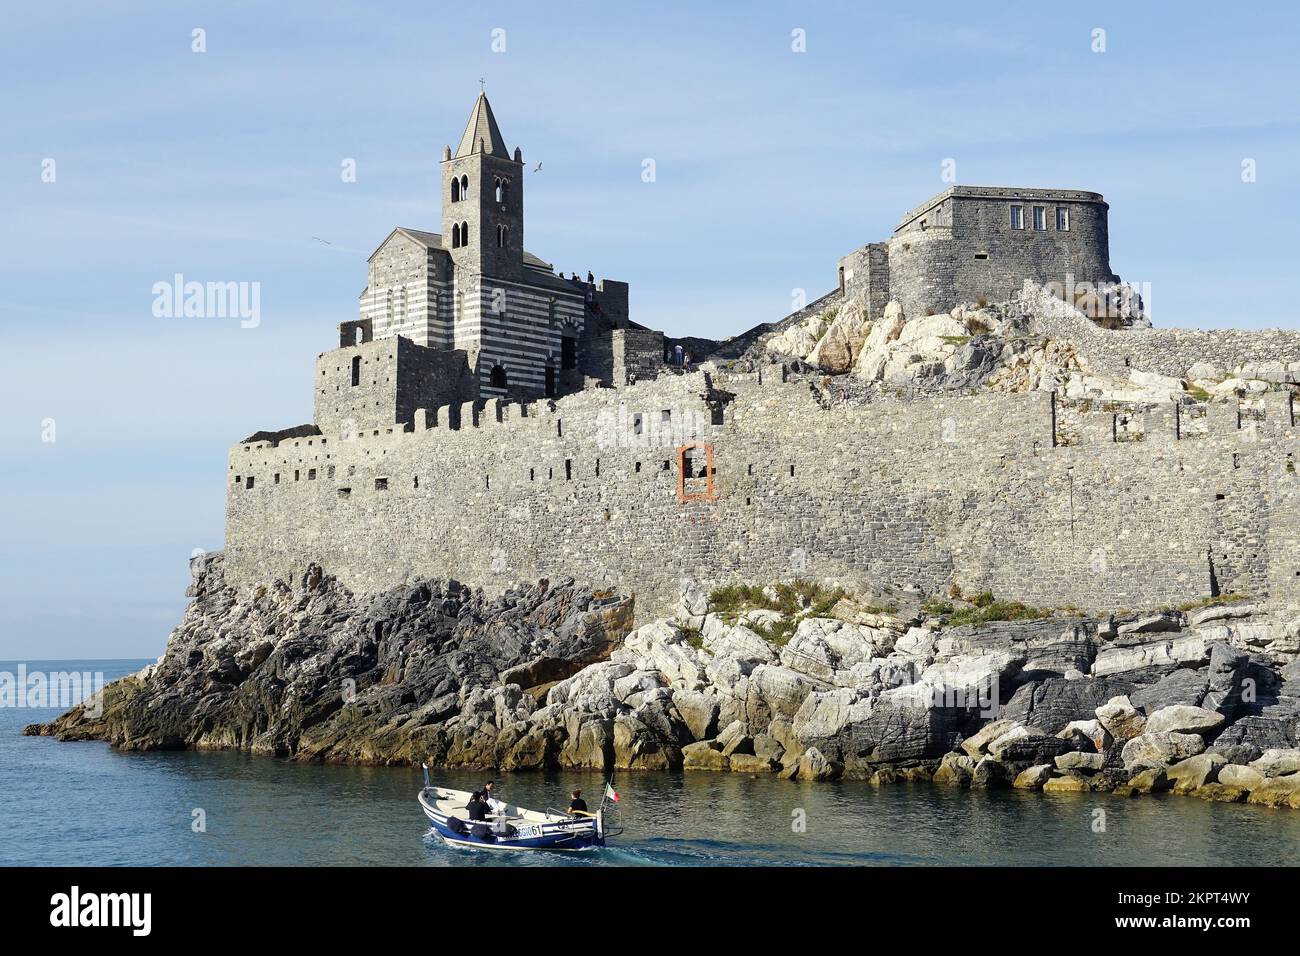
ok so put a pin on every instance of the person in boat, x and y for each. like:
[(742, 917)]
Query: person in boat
[(578, 806), (477, 808), (490, 798)]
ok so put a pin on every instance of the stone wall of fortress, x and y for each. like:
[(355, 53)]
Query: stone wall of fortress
[(1095, 506), (1164, 351)]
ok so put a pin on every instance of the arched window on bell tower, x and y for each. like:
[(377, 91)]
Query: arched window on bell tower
[(464, 234), (455, 190), (455, 236), (502, 235)]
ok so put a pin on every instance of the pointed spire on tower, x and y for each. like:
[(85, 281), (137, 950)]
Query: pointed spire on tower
[(482, 133)]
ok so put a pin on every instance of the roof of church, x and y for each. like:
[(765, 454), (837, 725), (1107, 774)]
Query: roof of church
[(431, 240), (482, 133)]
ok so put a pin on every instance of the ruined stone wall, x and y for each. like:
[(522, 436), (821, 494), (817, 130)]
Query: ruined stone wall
[(638, 354), (926, 491), (866, 277)]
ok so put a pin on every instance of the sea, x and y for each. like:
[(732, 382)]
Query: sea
[(86, 804)]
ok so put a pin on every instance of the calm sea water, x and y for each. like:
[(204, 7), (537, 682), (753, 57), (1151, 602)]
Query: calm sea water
[(86, 804)]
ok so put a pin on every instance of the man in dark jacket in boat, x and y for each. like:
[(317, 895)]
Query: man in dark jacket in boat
[(477, 808), (490, 798)]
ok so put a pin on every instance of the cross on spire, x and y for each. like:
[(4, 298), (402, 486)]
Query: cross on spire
[(482, 88)]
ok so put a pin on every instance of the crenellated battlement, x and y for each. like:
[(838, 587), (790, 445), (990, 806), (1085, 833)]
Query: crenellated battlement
[(751, 476)]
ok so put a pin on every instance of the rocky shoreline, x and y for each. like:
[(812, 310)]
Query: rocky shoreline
[(795, 679)]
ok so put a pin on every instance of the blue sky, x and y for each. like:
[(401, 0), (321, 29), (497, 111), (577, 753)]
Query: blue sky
[(770, 165)]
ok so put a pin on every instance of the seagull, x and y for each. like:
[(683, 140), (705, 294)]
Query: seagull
[(319, 239), (538, 169)]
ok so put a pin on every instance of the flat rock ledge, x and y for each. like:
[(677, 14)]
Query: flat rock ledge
[(553, 675)]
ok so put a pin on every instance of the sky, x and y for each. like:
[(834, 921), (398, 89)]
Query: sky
[(781, 137)]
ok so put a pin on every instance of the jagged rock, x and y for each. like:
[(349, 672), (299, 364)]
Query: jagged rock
[(1033, 777), (768, 748), (692, 604), (1187, 775), (1277, 763), (1247, 738), (904, 724), (1090, 730), (1221, 793), (822, 646), (1153, 623), (1182, 686), (750, 763), (814, 766), (703, 755), (1247, 778), (1150, 780), (1182, 719), (989, 774), (1067, 783), (699, 712), (839, 346), (1183, 651), (1079, 761), (977, 744), (1034, 748), (1220, 612), (1052, 703), (1277, 792), (823, 715), (1157, 749), (954, 771), (1120, 718)]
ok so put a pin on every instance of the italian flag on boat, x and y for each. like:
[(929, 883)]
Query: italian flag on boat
[(610, 792)]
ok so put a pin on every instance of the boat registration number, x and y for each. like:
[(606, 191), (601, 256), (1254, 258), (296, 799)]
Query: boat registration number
[(531, 831)]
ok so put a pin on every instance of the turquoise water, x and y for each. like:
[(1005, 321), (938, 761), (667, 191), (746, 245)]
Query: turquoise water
[(87, 804)]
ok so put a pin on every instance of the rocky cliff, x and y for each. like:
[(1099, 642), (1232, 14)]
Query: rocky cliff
[(792, 679)]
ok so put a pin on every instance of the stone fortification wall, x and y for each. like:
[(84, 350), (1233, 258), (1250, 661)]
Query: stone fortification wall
[(974, 489)]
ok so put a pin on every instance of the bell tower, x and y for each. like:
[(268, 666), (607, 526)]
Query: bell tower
[(483, 199)]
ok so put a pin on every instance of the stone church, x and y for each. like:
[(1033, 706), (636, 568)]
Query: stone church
[(503, 322)]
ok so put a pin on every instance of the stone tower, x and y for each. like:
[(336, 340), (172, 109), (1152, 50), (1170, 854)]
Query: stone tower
[(483, 200)]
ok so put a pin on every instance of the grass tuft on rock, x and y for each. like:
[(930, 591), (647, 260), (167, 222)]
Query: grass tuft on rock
[(793, 600)]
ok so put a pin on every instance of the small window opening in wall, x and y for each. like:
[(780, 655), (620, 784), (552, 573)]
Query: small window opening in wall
[(1017, 217), (1062, 219), (487, 481), (381, 484), (345, 492), (415, 482), (568, 469), (1040, 218), (597, 467), (792, 471), (311, 474), (250, 482), (666, 416), (532, 474), (550, 473), (636, 424), (667, 464), (1236, 460), (638, 467), (559, 428), (1220, 497), (239, 480), (746, 501), (277, 477), (329, 472), (981, 255), (295, 474), (356, 370), (749, 469)]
